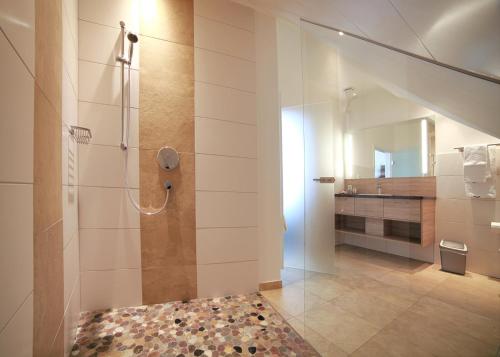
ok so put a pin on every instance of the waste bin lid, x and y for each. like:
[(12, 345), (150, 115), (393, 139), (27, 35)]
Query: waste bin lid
[(451, 245)]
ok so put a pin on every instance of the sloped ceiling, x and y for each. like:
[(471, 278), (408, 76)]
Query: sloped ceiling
[(461, 33)]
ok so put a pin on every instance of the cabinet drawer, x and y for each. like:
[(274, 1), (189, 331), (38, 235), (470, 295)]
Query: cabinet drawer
[(344, 205), (402, 210), (368, 207)]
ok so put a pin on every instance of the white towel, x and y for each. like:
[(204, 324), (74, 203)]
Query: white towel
[(476, 164), (487, 188)]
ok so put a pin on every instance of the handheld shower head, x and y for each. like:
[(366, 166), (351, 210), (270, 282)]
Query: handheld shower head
[(132, 37)]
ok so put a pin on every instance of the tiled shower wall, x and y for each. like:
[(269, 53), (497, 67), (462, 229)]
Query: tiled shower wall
[(17, 55), (69, 92), (110, 253), (226, 148), (458, 217)]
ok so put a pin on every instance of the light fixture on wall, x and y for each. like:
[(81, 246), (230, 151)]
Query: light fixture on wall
[(424, 147)]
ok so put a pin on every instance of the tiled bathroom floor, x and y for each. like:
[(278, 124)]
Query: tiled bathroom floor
[(375, 304), (228, 326)]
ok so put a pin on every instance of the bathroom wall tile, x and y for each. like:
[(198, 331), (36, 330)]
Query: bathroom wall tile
[(226, 209), (47, 164), (450, 187), (482, 211), (69, 50), (227, 279), (16, 339), (101, 207), (48, 45), (216, 68), (110, 249), (227, 12), (213, 101), (220, 173), (99, 83), (110, 288), (238, 140), (71, 317), (171, 20), (170, 283), (219, 37), (70, 213), (107, 48), (18, 22), (111, 12), (450, 210), (225, 245), (104, 166), (168, 238), (457, 231), (48, 288), (450, 164), (69, 100), (483, 238), (166, 95), (71, 268), (17, 111), (70, 11), (105, 122), (484, 262), (16, 247)]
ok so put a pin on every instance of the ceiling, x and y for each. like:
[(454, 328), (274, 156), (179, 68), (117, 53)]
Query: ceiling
[(461, 33)]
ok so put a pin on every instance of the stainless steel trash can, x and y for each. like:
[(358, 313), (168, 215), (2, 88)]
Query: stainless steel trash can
[(453, 256)]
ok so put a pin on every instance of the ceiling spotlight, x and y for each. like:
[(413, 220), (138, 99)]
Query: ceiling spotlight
[(341, 33)]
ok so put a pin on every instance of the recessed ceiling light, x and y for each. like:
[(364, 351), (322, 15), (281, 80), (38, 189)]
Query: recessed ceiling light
[(341, 33)]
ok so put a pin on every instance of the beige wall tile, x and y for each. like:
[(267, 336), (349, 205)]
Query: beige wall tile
[(226, 39), (117, 288), (450, 164), (238, 140), (21, 32), (110, 12), (222, 173), (216, 68), (47, 164), (227, 279), (69, 50), (71, 268), (16, 247), (225, 245), (48, 288), (70, 213), (216, 102), (171, 20), (169, 283), (227, 12), (105, 121), (226, 209), (104, 166), (16, 339), (103, 207), (166, 96), (17, 110), (99, 83), (48, 44), (110, 249), (71, 317)]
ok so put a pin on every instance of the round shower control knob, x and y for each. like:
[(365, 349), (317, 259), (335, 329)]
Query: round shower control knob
[(167, 158)]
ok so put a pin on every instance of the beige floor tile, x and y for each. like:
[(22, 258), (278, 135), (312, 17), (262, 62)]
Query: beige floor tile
[(291, 299), (344, 329)]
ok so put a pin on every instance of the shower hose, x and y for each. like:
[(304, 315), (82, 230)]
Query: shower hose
[(129, 193)]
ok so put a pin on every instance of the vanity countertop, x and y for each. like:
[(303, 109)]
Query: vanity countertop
[(374, 195)]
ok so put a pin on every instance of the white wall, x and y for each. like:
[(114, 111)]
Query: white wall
[(17, 55), (458, 217), (71, 244), (226, 149), (110, 253)]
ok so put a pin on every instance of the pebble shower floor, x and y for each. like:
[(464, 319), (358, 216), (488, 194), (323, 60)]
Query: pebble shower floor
[(243, 325)]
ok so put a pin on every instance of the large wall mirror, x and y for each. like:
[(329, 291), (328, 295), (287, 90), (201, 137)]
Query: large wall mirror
[(401, 149)]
